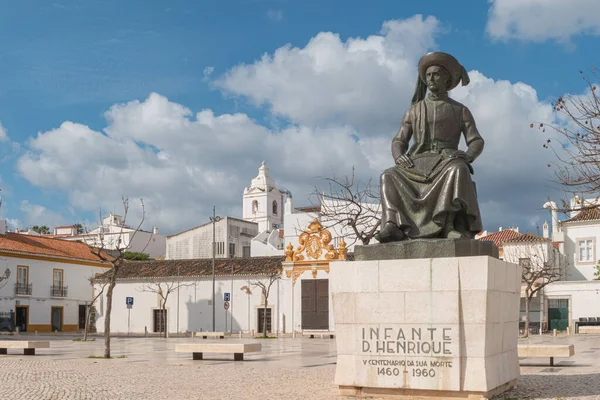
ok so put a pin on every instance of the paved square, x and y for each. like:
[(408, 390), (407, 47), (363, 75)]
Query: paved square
[(287, 368)]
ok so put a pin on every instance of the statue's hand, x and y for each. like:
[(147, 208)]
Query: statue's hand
[(404, 161), (463, 155)]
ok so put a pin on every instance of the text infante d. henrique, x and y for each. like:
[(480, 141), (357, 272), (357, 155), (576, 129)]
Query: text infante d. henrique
[(405, 341)]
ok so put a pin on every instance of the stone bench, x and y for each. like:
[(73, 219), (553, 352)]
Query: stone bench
[(546, 350), (588, 329), (206, 335), (314, 334), (198, 349), (27, 346)]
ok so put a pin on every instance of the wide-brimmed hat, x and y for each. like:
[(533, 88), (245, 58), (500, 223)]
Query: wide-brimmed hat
[(445, 60)]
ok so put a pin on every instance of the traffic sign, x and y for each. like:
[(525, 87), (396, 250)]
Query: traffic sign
[(129, 306), (129, 301), (226, 305), (226, 295)]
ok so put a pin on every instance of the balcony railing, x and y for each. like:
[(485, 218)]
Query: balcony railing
[(59, 291), (23, 289)]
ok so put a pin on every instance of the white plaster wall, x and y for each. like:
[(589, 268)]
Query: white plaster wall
[(539, 252), (197, 242), (195, 310), (40, 276), (294, 224), (241, 233), (267, 244), (584, 296), (577, 271)]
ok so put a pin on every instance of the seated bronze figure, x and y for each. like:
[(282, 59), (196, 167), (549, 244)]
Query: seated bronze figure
[(429, 192)]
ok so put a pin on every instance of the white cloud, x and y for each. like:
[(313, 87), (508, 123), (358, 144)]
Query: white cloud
[(3, 134), (275, 15), (35, 214), (539, 20), (345, 101), (14, 223), (180, 164), (361, 82)]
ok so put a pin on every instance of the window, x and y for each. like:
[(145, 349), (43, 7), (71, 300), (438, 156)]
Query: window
[(274, 207), (220, 248), (254, 206), (23, 286), (246, 251), (57, 278), (585, 250), (58, 284), (231, 250), (22, 275)]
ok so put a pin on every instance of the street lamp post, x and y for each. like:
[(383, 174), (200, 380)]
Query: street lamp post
[(213, 219)]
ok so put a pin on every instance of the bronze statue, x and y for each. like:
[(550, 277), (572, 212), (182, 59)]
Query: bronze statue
[(429, 192)]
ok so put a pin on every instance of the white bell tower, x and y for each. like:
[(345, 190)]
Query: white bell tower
[(263, 202)]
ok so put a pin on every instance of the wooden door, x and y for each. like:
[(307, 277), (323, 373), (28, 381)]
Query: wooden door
[(315, 303), (21, 318), (160, 320), (261, 320), (82, 309), (56, 319)]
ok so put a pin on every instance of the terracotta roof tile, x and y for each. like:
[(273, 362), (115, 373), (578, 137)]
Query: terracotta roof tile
[(586, 214), (500, 237), (44, 246), (132, 269), (527, 237)]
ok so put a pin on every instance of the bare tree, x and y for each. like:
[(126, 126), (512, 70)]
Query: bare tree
[(541, 264), (578, 149), (117, 261), (102, 285), (163, 287), (350, 207), (265, 285)]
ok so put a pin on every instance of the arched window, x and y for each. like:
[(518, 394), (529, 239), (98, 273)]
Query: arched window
[(274, 207), (254, 206)]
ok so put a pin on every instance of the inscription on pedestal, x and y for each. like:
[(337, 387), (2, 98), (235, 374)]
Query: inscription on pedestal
[(409, 356)]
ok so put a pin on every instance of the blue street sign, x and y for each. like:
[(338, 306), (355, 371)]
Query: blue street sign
[(226, 296), (129, 301)]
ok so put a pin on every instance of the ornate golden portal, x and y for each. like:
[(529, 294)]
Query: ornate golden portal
[(313, 252)]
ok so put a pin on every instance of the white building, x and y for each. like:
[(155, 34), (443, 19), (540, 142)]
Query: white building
[(300, 300), (540, 254), (189, 308), (114, 234), (578, 237), (232, 238), (48, 287)]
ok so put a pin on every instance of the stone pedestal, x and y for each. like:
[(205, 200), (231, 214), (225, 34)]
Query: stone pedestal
[(426, 327)]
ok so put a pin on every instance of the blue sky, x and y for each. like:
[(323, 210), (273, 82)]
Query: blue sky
[(72, 61)]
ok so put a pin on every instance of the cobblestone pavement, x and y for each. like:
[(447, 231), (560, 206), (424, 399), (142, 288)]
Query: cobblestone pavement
[(286, 369)]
